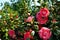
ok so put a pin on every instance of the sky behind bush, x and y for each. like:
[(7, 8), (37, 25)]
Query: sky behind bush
[(3, 1)]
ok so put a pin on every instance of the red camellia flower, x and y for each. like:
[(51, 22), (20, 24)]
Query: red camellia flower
[(45, 33), (27, 35), (42, 16), (41, 19), (44, 12), (12, 33), (29, 19)]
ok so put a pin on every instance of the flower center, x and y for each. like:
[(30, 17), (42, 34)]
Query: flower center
[(44, 12), (43, 17)]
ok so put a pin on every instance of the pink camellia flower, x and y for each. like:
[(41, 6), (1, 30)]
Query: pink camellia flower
[(44, 12), (41, 19), (29, 19), (45, 33), (12, 33)]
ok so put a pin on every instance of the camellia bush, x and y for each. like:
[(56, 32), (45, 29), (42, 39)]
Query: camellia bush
[(30, 20)]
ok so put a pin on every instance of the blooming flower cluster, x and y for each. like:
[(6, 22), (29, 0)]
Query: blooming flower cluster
[(42, 18)]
